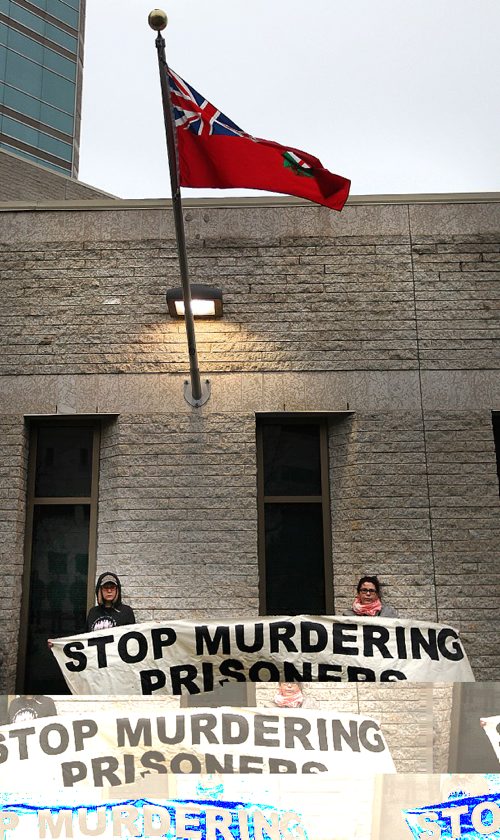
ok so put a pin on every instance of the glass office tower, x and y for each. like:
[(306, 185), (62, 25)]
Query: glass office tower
[(41, 62)]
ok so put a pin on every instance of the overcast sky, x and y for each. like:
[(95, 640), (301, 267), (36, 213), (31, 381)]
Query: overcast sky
[(400, 96)]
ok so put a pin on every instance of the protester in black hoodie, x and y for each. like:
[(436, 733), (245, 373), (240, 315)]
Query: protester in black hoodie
[(30, 707), (109, 612)]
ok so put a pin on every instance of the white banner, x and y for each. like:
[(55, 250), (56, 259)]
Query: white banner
[(112, 749), (149, 818), (492, 729), (185, 657), (469, 818)]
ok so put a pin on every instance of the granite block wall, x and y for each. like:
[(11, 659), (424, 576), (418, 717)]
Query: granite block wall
[(384, 317), (178, 516), (380, 510), (13, 467), (24, 180)]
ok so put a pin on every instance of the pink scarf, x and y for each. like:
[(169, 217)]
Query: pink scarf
[(290, 698), (366, 609)]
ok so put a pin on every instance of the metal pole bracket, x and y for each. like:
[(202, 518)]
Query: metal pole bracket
[(206, 390)]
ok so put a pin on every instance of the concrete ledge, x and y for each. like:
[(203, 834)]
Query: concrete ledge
[(227, 202), (339, 391)]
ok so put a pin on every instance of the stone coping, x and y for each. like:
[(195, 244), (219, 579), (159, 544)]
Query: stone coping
[(243, 201)]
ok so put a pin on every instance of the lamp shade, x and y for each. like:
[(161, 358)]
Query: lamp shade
[(206, 302)]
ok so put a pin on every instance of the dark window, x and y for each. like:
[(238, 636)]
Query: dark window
[(228, 694), (60, 545), (294, 529), (63, 464), (496, 435), (470, 748)]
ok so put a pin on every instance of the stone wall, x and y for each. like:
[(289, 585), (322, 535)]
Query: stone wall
[(380, 510), (177, 513), (442, 700), (23, 180), (13, 466), (385, 317)]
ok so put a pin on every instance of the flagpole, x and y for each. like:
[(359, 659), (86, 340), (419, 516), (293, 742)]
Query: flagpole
[(197, 394)]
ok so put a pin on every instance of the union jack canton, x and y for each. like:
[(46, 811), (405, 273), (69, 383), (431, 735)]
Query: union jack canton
[(194, 113)]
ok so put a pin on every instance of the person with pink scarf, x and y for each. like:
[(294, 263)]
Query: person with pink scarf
[(290, 696), (368, 601)]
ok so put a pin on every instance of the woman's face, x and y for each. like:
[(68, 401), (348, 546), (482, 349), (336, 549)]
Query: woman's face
[(367, 593), (108, 592), (289, 689)]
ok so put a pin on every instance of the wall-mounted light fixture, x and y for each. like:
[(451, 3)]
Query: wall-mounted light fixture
[(206, 302)]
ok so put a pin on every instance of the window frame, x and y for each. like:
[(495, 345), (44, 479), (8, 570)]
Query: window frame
[(31, 500), (495, 423), (481, 758), (215, 699), (321, 420)]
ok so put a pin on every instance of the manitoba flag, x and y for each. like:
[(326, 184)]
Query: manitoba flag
[(214, 152)]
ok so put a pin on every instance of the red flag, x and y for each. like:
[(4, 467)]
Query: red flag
[(214, 152)]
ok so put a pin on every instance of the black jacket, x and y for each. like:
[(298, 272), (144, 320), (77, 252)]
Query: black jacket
[(24, 708), (101, 617)]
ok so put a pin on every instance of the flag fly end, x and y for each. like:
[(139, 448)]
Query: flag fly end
[(215, 152)]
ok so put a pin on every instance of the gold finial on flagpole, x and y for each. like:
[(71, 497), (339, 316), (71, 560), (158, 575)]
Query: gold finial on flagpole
[(158, 20)]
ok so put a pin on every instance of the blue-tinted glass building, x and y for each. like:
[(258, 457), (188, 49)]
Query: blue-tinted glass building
[(41, 62)]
